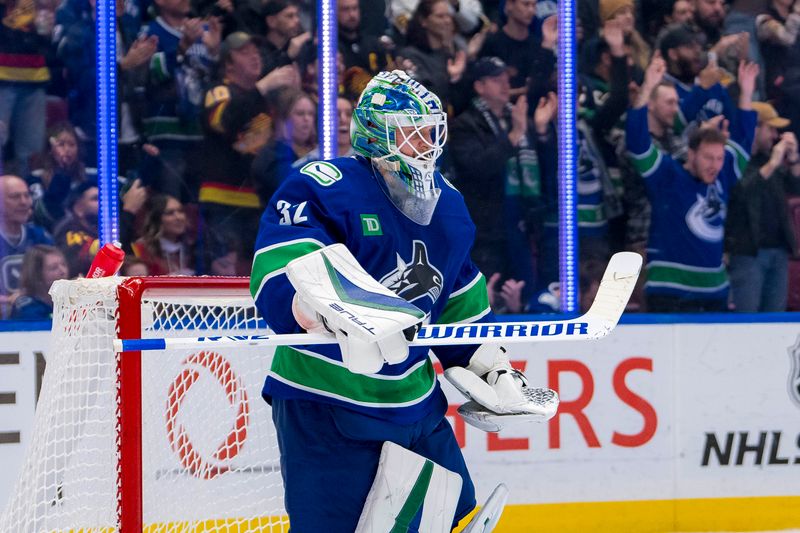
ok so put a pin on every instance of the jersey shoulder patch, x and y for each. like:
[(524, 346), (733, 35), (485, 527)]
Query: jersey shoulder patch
[(323, 172)]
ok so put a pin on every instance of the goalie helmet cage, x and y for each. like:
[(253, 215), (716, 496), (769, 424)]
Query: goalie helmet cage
[(178, 440)]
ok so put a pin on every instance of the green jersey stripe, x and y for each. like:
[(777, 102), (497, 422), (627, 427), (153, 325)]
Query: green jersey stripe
[(171, 127), (466, 304), (740, 158), (674, 274), (646, 163), (272, 260), (386, 377), (591, 214), (158, 67), (329, 378), (468, 286)]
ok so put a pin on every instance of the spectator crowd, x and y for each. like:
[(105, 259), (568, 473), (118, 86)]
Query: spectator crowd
[(688, 118)]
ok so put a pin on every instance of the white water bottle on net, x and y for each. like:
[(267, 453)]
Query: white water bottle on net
[(177, 440)]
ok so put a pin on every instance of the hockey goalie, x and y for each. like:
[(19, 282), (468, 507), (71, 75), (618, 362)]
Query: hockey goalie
[(366, 249)]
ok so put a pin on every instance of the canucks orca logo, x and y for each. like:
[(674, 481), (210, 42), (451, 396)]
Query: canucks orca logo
[(706, 217), (416, 279), (794, 372)]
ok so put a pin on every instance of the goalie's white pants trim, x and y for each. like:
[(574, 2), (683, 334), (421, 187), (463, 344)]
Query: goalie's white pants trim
[(404, 482)]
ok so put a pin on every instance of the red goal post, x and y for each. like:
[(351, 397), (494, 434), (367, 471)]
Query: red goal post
[(162, 441)]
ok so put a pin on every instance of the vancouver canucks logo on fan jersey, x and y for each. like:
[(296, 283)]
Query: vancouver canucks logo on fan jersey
[(706, 218), (417, 278)]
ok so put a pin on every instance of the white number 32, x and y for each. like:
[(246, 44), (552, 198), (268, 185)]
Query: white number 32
[(285, 209)]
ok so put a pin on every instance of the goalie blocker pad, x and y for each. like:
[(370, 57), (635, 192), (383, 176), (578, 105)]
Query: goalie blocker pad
[(405, 483), (334, 284), (371, 322)]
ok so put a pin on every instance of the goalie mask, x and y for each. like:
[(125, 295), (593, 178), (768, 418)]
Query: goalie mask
[(400, 126)]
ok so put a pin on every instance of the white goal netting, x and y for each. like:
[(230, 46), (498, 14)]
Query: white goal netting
[(209, 457)]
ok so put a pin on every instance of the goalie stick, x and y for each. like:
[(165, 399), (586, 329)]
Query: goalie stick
[(612, 296)]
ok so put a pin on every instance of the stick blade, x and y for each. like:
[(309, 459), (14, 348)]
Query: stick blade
[(615, 290), (624, 264), (487, 518)]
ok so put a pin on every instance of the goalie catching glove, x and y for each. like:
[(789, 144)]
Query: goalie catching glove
[(336, 296), (499, 394)]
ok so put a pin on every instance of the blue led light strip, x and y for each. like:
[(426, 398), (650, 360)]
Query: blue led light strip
[(567, 158), (327, 78), (106, 75)]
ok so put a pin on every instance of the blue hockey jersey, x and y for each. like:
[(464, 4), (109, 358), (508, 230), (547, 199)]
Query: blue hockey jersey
[(698, 105), (341, 201), (684, 253)]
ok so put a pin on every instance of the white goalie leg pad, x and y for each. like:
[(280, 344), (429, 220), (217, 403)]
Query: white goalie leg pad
[(371, 322), (490, 513), (406, 481), (500, 394)]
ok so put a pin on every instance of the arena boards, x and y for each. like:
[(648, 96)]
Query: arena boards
[(663, 427)]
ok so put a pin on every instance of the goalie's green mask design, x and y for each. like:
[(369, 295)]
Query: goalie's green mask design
[(400, 126)]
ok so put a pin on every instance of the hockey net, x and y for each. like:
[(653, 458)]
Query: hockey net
[(208, 459)]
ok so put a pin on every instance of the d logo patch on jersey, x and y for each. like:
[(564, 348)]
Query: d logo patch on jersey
[(371, 225), (417, 278)]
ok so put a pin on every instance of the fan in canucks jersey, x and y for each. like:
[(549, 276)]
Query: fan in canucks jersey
[(685, 272), (407, 235)]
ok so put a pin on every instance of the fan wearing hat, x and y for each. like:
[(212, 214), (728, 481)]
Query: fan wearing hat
[(495, 149), (758, 232), (622, 13), (237, 126), (77, 234), (285, 36), (701, 94), (682, 50), (685, 271)]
